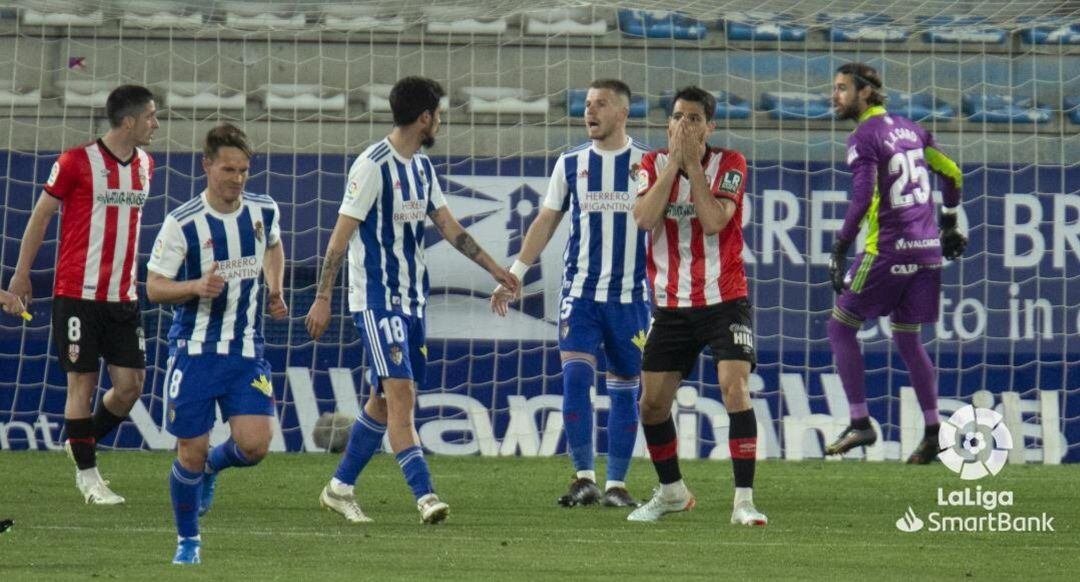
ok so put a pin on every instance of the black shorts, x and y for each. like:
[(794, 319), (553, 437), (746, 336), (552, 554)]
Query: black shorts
[(678, 335), (86, 330)]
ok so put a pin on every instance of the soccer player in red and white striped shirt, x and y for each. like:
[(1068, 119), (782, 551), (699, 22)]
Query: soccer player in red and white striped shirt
[(690, 199), (100, 187)]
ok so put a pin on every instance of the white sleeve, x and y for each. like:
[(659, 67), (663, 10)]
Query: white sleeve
[(365, 183), (170, 249), (558, 190), (274, 236), (437, 199)]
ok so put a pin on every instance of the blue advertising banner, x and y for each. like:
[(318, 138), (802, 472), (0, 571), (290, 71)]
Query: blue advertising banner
[(1008, 337)]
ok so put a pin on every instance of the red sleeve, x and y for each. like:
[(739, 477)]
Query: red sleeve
[(646, 174), (730, 180), (65, 174)]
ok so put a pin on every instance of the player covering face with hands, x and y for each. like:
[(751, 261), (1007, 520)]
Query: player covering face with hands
[(690, 199)]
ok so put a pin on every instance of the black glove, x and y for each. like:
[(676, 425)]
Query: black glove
[(953, 241), (838, 264)]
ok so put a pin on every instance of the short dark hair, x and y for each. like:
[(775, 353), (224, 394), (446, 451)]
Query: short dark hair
[(865, 76), (225, 135), (614, 85), (412, 96), (126, 100), (696, 95)]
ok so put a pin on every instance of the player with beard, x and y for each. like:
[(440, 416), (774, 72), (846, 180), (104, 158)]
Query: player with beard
[(604, 298), (392, 191), (899, 272)]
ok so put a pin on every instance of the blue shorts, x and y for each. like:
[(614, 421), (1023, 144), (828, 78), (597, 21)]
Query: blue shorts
[(394, 344), (622, 327), (194, 383)]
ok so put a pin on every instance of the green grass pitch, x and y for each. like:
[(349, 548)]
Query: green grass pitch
[(828, 520)]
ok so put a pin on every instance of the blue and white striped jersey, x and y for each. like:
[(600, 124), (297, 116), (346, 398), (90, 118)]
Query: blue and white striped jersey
[(194, 237), (392, 197), (605, 254)]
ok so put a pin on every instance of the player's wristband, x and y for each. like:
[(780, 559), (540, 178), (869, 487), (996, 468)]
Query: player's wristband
[(947, 220), (518, 269), (840, 247)]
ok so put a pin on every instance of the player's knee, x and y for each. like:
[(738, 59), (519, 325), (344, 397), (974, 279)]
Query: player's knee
[(653, 410), (735, 388), (254, 451), (191, 456)]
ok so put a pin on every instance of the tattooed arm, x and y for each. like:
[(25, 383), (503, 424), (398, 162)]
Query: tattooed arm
[(453, 232), (318, 317)]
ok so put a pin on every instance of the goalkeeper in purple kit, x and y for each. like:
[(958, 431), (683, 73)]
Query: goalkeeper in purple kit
[(899, 274)]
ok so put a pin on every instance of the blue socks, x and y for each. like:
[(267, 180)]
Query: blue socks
[(578, 377), (622, 426), (226, 455), (416, 471), (364, 441), (186, 488)]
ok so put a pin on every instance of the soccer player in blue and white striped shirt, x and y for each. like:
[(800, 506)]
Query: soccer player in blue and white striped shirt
[(208, 261), (391, 193), (604, 298)]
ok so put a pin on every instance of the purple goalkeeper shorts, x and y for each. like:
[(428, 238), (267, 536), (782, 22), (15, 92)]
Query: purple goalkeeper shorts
[(906, 292)]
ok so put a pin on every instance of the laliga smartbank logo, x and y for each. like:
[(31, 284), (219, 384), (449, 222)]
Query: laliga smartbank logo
[(974, 443)]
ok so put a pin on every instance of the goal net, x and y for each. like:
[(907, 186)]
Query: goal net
[(998, 82)]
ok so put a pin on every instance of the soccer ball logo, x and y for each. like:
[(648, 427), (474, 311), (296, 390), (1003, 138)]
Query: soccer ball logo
[(974, 442)]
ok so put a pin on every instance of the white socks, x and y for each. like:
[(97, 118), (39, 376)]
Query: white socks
[(337, 487), (90, 476), (590, 475), (613, 484), (744, 495), (676, 490)]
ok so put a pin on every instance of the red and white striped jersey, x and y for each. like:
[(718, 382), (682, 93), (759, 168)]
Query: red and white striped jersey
[(686, 267), (101, 206)]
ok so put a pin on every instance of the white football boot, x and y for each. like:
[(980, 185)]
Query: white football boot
[(432, 510), (345, 505), (746, 514), (96, 491), (661, 505)]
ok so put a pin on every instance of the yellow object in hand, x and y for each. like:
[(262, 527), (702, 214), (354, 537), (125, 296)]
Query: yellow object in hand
[(26, 315)]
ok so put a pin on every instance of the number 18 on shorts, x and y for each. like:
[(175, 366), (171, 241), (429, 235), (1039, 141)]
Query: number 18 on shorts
[(394, 343)]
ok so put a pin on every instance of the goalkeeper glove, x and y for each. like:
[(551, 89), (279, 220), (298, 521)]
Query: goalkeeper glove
[(952, 240), (838, 264)]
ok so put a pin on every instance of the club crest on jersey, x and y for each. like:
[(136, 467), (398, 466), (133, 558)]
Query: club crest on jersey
[(731, 182), (396, 356), (144, 176), (208, 244), (73, 353), (258, 230), (564, 330), (642, 180), (397, 184)]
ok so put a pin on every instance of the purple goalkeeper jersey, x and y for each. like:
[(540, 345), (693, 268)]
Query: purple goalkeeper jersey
[(890, 158)]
